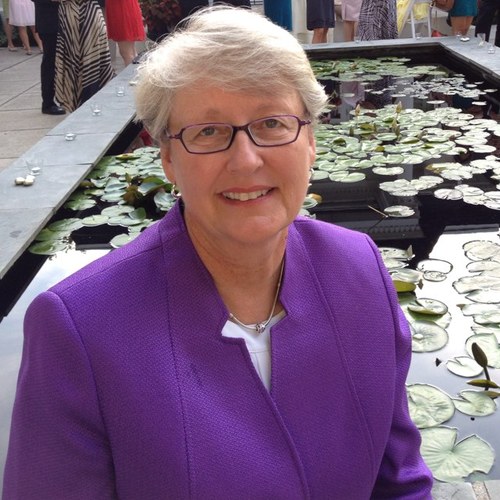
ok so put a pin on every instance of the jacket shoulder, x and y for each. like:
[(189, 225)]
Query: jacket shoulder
[(139, 260)]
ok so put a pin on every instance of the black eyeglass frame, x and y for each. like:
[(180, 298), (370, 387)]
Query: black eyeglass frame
[(235, 129)]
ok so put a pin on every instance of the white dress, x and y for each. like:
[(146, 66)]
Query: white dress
[(22, 13), (350, 10)]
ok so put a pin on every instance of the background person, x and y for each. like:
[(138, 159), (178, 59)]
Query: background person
[(149, 373), (461, 16), (488, 13), (350, 17), (378, 20), (280, 12), (47, 27), (22, 15), (124, 25), (83, 61), (320, 18)]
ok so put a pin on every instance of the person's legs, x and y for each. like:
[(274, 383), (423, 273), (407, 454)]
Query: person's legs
[(127, 51), (319, 35), (467, 24), (349, 30), (23, 35), (37, 38), (485, 16), (8, 33), (48, 69), (460, 24)]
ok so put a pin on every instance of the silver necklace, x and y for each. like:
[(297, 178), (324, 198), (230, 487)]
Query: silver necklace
[(260, 327)]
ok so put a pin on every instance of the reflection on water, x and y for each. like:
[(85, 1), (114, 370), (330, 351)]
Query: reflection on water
[(11, 335)]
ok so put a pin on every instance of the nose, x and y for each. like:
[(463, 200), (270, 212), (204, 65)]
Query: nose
[(244, 155)]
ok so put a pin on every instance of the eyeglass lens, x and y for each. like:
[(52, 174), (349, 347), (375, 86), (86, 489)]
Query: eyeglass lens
[(269, 131)]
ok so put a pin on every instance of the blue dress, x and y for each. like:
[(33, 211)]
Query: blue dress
[(280, 12), (464, 8)]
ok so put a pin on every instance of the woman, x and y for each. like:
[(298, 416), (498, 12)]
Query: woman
[(125, 27), (461, 16), (378, 20), (137, 381), (320, 18), (22, 14), (280, 12), (83, 61), (350, 17)]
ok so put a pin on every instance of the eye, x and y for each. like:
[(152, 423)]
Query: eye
[(208, 131), (271, 123)]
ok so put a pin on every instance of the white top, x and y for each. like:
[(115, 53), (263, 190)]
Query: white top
[(258, 345)]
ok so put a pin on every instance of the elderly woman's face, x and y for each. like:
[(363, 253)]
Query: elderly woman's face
[(247, 193)]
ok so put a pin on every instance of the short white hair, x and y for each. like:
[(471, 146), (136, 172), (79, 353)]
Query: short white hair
[(231, 48)]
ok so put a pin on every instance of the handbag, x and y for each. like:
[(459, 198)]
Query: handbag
[(445, 5)]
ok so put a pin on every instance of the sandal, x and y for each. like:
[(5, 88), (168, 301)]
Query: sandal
[(12, 49)]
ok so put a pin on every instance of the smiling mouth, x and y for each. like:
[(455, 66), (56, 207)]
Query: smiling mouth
[(246, 196)]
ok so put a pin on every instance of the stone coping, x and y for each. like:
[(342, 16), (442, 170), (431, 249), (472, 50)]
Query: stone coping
[(24, 211)]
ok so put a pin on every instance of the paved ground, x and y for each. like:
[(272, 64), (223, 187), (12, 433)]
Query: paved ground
[(21, 122)]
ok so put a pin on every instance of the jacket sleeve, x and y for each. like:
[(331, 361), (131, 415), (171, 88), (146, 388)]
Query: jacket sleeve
[(58, 447), (403, 473)]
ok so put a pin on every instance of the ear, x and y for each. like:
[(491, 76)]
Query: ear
[(166, 160), (312, 145)]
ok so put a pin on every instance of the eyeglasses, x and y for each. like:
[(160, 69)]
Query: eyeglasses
[(206, 138)]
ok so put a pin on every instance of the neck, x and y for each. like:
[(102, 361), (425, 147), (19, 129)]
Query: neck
[(260, 326), (246, 276)]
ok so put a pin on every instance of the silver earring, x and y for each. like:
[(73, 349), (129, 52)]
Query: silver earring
[(311, 172), (175, 192)]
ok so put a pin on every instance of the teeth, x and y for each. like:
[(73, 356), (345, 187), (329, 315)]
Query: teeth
[(246, 196)]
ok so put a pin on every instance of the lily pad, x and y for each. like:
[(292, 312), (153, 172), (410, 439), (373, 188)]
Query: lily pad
[(406, 280), (475, 403), (122, 239), (464, 366), (429, 406), (427, 336), (80, 203), (47, 247), (448, 194), (439, 265), (47, 235), (428, 306), (388, 170), (481, 250), (399, 211), (347, 177), (66, 225), (450, 461), (95, 220)]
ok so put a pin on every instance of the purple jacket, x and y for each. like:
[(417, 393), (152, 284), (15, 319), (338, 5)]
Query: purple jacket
[(128, 390)]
